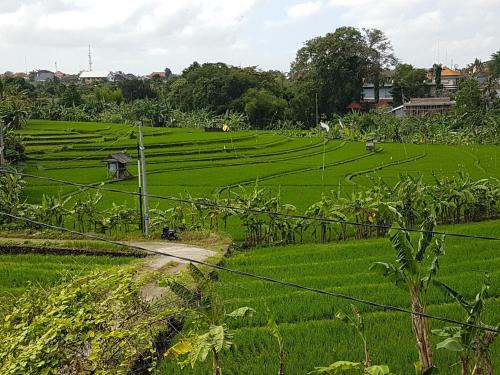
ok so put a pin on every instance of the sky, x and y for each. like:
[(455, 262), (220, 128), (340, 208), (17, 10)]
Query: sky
[(141, 36)]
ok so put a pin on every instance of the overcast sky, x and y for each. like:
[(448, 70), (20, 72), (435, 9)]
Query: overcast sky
[(140, 36)]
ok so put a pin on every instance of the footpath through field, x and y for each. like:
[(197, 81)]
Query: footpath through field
[(168, 264)]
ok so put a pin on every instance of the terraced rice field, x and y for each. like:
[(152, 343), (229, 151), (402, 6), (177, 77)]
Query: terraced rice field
[(187, 161), (311, 334), (18, 272), (190, 161)]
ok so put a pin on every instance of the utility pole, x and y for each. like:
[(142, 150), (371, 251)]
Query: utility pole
[(144, 181), (139, 179), (2, 146), (317, 112), (90, 60)]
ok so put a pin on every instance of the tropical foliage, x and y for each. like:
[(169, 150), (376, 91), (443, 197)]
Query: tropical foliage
[(91, 324), (414, 270), (472, 345), (208, 332), (266, 219)]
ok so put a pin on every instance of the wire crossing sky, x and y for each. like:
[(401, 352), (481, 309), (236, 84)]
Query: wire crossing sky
[(141, 36)]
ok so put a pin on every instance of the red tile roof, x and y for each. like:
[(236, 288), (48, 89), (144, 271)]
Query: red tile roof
[(449, 72), (354, 106)]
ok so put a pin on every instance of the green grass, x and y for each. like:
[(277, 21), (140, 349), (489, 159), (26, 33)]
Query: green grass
[(20, 271), (312, 337), (190, 161)]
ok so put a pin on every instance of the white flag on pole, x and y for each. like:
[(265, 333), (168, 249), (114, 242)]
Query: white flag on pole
[(324, 126)]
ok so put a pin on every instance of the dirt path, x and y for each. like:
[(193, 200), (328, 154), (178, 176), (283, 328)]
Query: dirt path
[(158, 263), (168, 264)]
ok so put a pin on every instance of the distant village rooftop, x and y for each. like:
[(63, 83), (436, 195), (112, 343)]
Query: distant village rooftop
[(422, 106), (94, 74)]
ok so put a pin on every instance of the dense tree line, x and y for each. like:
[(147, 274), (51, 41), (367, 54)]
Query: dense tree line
[(326, 75)]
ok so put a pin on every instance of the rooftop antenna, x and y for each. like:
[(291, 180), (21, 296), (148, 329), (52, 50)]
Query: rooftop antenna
[(90, 60), (438, 53)]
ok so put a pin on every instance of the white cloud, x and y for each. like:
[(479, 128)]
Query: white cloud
[(463, 29), (140, 35), (302, 10), (118, 28)]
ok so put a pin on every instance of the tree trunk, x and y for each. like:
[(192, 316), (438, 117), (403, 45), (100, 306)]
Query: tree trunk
[(376, 87), (483, 364), (421, 334), (216, 363), (464, 361), (368, 360)]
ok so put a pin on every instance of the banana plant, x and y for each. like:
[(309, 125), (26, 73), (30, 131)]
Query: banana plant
[(414, 269), (273, 328), (209, 332), (84, 210), (53, 210), (11, 187), (356, 320), (472, 344), (253, 221)]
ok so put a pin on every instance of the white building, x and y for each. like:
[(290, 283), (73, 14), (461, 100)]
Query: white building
[(92, 77)]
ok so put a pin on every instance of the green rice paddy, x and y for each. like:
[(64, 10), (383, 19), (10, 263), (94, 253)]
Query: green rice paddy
[(311, 334), (18, 272), (190, 161)]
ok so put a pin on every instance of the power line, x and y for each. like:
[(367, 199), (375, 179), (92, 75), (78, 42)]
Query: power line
[(206, 203), (260, 277)]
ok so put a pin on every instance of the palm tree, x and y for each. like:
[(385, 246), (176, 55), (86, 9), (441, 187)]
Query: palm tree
[(411, 272)]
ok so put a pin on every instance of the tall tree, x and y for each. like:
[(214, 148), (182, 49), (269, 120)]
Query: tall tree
[(408, 82), (494, 65), (134, 89), (71, 97), (332, 67), (436, 72), (379, 56), (469, 102)]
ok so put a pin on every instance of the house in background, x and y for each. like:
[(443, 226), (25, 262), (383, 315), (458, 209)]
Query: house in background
[(117, 165), (21, 75), (424, 106), (385, 95), (59, 74), (166, 74), (43, 75), (70, 78), (449, 79), (93, 77), (161, 75)]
